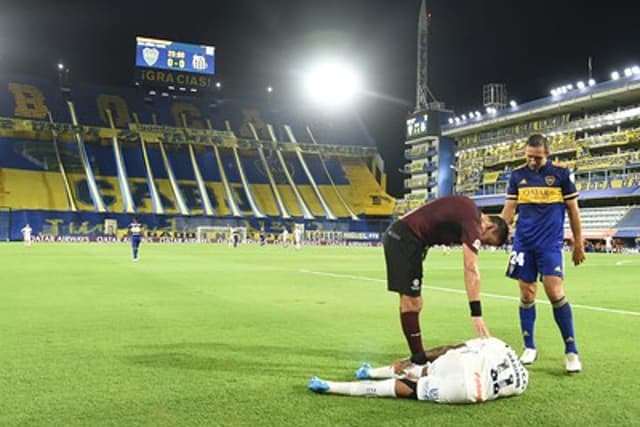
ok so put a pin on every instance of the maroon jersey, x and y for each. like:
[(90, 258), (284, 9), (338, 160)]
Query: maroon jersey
[(445, 221)]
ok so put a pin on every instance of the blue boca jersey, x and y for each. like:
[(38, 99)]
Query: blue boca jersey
[(136, 229), (541, 197)]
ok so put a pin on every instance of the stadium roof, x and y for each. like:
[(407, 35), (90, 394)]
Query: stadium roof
[(604, 95)]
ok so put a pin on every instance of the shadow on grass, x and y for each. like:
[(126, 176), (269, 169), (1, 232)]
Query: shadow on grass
[(252, 359), (558, 372)]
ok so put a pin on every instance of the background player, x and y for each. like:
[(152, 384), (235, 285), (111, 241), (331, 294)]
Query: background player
[(297, 236), (262, 236), (472, 372), (541, 191), (444, 221), (285, 237), (608, 244), (136, 233), (26, 235)]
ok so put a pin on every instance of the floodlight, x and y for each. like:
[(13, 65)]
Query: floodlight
[(332, 84)]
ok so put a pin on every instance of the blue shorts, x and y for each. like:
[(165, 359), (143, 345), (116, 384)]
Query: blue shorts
[(531, 264)]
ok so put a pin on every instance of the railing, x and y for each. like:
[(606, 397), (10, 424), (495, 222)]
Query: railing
[(41, 130)]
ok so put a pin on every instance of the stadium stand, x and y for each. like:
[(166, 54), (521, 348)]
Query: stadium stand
[(631, 220), (591, 129), (598, 222), (112, 151)]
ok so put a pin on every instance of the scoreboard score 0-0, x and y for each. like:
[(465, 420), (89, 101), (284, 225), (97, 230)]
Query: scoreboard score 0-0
[(173, 56)]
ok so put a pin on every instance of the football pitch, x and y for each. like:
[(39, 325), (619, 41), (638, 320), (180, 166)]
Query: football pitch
[(209, 335)]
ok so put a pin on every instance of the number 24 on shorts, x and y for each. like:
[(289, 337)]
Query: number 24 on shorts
[(516, 258)]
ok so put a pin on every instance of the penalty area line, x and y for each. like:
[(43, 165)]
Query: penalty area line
[(459, 291)]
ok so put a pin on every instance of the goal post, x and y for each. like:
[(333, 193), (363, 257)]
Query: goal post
[(219, 234)]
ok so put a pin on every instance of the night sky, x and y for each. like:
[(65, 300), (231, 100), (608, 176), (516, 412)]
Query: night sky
[(531, 46)]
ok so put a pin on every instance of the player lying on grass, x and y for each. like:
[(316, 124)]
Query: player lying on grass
[(471, 372)]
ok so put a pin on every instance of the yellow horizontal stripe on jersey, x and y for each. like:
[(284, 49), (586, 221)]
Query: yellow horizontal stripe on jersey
[(540, 195)]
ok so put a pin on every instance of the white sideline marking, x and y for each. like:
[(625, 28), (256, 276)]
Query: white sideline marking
[(627, 261), (459, 291)]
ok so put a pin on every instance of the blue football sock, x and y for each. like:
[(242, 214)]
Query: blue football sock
[(527, 322), (564, 318)]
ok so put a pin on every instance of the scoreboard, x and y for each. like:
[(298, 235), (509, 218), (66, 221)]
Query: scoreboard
[(174, 56)]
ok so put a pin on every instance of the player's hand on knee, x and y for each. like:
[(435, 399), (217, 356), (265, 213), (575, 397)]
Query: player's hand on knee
[(480, 327)]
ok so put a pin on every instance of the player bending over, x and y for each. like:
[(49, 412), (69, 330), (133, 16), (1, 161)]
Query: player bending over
[(478, 370)]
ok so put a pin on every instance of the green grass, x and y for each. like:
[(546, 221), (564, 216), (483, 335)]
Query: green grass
[(207, 335)]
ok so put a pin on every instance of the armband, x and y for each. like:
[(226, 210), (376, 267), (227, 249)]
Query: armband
[(476, 308)]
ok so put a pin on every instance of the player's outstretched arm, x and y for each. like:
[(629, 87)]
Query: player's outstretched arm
[(472, 285)]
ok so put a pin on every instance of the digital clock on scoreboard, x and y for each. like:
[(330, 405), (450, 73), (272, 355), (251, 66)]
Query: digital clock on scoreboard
[(174, 56)]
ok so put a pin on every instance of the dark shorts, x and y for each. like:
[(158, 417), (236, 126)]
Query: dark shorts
[(403, 254), (530, 265)]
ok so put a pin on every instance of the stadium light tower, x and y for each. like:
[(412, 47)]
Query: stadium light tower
[(332, 84), (63, 76)]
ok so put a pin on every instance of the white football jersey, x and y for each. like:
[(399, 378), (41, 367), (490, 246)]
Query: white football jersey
[(26, 231), (484, 369)]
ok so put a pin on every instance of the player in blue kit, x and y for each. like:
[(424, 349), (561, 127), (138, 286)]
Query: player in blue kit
[(541, 191), (262, 236), (136, 233)]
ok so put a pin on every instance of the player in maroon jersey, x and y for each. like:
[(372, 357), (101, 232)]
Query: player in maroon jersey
[(445, 221)]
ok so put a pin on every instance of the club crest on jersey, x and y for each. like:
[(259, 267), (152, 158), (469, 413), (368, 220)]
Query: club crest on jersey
[(415, 285), (150, 55), (523, 181), (550, 179)]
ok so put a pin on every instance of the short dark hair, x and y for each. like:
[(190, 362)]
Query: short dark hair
[(502, 229), (538, 140)]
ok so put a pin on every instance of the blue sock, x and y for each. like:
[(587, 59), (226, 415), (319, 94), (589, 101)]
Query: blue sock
[(564, 318), (527, 322)]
